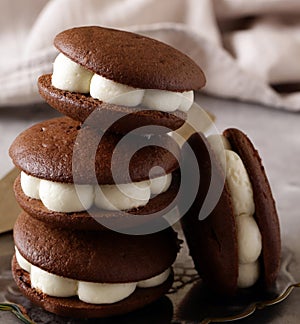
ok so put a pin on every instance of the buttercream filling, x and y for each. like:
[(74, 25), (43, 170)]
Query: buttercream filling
[(248, 234), (67, 197), (70, 76), (88, 292)]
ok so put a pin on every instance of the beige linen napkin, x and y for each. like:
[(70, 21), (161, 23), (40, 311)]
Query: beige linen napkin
[(244, 47)]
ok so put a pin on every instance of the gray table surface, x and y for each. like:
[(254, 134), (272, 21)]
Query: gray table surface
[(275, 133)]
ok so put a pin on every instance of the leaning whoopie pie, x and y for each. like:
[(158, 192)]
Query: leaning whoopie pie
[(238, 244), (84, 274), (124, 77), (54, 154)]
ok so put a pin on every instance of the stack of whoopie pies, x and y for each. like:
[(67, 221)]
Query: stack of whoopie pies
[(109, 169), (83, 187)]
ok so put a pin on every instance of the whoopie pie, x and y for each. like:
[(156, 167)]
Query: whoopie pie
[(123, 80), (138, 176), (83, 274), (238, 244)]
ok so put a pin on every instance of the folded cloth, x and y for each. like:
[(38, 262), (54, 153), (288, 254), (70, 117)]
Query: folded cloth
[(247, 49)]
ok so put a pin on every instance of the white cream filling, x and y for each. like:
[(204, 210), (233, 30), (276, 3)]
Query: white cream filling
[(123, 196), (67, 198), (249, 239), (30, 185), (155, 281), (89, 292), (115, 93), (68, 75), (160, 184), (239, 185), (248, 234), (99, 293), (248, 274)]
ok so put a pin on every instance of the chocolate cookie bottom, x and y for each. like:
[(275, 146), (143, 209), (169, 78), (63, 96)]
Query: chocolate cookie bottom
[(73, 307), (121, 119)]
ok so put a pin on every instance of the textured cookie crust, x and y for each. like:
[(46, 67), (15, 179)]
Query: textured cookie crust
[(265, 208), (46, 150), (212, 242), (73, 307), (106, 256), (156, 208), (130, 59), (119, 119)]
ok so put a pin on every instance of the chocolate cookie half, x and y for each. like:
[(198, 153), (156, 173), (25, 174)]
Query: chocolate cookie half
[(107, 116), (108, 279), (61, 163), (48, 151), (125, 80), (238, 244), (130, 59)]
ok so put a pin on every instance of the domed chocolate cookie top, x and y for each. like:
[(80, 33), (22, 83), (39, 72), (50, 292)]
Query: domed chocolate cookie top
[(212, 242), (130, 59), (110, 257), (60, 150)]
